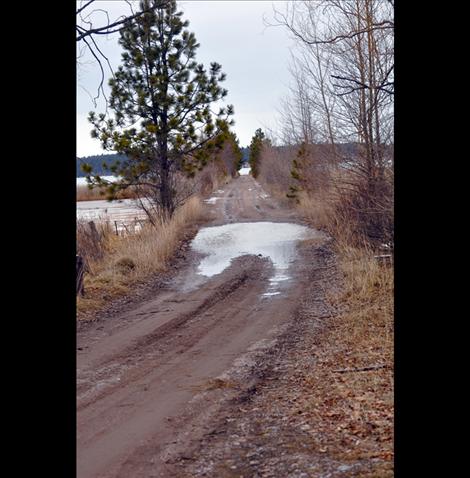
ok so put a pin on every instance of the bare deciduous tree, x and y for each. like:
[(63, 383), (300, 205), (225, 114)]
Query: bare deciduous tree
[(343, 81)]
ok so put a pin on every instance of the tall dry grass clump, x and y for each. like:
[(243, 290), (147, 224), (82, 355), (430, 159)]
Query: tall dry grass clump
[(152, 249), (368, 293), (116, 263)]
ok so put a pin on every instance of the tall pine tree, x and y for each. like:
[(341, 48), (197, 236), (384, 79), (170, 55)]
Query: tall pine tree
[(256, 146), (161, 98)]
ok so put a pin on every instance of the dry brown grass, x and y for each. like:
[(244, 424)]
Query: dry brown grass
[(360, 403), (127, 260), (353, 408), (316, 210), (86, 194)]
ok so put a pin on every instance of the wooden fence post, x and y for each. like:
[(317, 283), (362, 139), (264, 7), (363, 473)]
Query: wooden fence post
[(80, 274), (94, 232)]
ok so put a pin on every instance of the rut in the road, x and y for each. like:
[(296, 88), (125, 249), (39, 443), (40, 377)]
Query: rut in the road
[(177, 334)]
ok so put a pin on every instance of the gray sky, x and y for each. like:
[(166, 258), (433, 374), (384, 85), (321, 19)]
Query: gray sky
[(232, 33)]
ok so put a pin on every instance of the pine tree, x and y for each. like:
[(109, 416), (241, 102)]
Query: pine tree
[(230, 156), (237, 152), (256, 146), (161, 99)]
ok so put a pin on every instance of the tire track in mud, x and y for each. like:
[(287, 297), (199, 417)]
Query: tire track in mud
[(170, 338), (136, 406)]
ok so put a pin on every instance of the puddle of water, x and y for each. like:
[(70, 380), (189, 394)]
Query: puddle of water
[(277, 241), (244, 171)]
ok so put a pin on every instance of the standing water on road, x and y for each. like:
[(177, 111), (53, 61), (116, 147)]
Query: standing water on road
[(277, 241)]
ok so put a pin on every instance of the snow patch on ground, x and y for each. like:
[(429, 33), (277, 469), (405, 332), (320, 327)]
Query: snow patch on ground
[(244, 171)]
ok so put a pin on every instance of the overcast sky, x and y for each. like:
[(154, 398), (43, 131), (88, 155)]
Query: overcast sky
[(232, 33)]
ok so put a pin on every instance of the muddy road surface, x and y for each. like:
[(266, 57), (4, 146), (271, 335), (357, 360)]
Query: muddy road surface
[(144, 376)]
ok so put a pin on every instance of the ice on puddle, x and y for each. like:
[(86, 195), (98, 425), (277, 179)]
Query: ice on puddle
[(101, 210)]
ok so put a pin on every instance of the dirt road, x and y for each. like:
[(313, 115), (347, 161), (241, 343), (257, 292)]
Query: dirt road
[(148, 377)]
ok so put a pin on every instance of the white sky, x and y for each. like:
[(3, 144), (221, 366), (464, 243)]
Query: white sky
[(232, 33)]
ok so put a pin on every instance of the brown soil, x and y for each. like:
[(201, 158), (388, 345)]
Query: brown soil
[(183, 382)]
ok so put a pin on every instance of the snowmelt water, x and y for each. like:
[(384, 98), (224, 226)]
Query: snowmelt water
[(83, 182), (277, 241)]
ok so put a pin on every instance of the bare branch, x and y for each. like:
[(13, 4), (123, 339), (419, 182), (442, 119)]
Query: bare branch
[(100, 87), (109, 28), (84, 6)]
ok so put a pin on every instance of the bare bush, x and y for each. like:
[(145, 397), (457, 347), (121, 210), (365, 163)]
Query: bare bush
[(274, 169)]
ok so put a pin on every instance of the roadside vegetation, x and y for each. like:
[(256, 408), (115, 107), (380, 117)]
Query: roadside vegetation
[(349, 391), (117, 263), (331, 158)]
